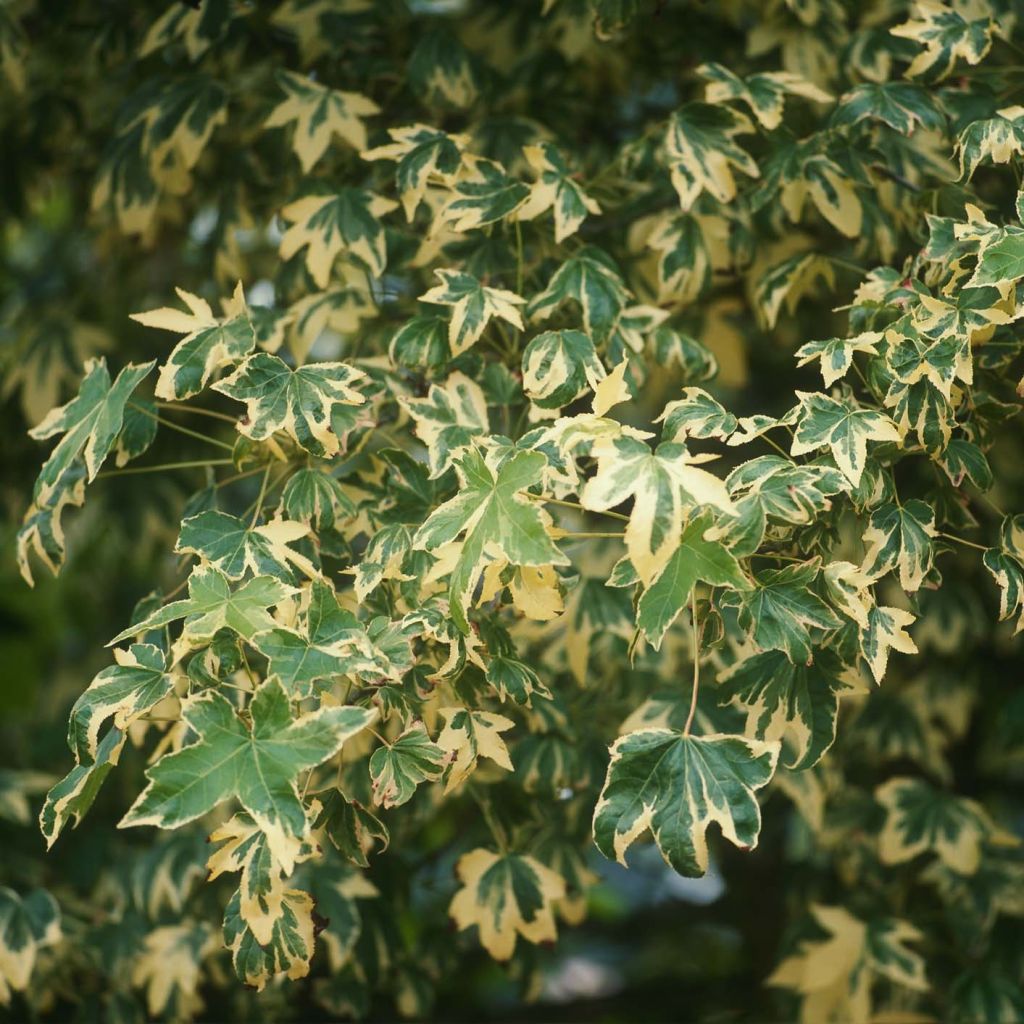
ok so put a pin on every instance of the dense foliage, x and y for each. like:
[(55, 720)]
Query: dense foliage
[(541, 428)]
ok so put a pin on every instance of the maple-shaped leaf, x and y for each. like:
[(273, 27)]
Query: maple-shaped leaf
[(234, 548), (833, 975), (590, 279), (558, 366), (442, 72), (289, 949), (555, 189), (947, 35), (835, 355), (696, 414), (963, 459), (397, 768), (319, 113), (420, 152), (843, 427), (258, 764), (885, 630), (701, 150), (469, 735), (315, 497), (1000, 258), (782, 611), (448, 419), (499, 521), (347, 220), (901, 105), (765, 93), (1006, 564), (242, 846), (300, 402), (473, 304), (662, 483), (353, 830), (796, 704), (42, 531), (785, 284), (506, 896), (900, 536), (28, 924), (788, 493), (921, 818), (212, 605), (676, 785), (482, 194), (90, 423), (684, 257), (695, 560), (168, 964), (210, 342), (123, 691), (512, 678), (332, 643)]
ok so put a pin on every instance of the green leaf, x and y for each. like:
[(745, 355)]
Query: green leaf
[(885, 630), (591, 280), (421, 343), (42, 531), (473, 305), (1000, 259), (90, 423), (299, 402), (696, 559), (325, 226), (396, 769), (483, 194), (122, 692), (256, 764), (558, 366), (696, 414), (505, 896), (26, 925), (212, 605), (900, 536), (235, 549), (513, 678), (796, 704), (701, 151), (332, 643), (764, 93), (789, 494), (900, 105), (662, 483), (319, 114), (210, 342), (946, 35), (441, 71), (316, 498), (469, 735), (421, 152), (843, 427), (921, 818), (497, 519), (998, 139), (352, 829), (1006, 564), (676, 785), (784, 614), (836, 354), (291, 944), (448, 419), (72, 797), (557, 190)]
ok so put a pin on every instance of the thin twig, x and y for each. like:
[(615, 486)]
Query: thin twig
[(696, 663), (165, 466), (180, 429)]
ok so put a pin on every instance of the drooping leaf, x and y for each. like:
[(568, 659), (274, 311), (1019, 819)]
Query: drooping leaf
[(676, 785), (90, 423), (558, 366), (900, 537), (885, 630), (796, 704), (555, 189), (469, 735)]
